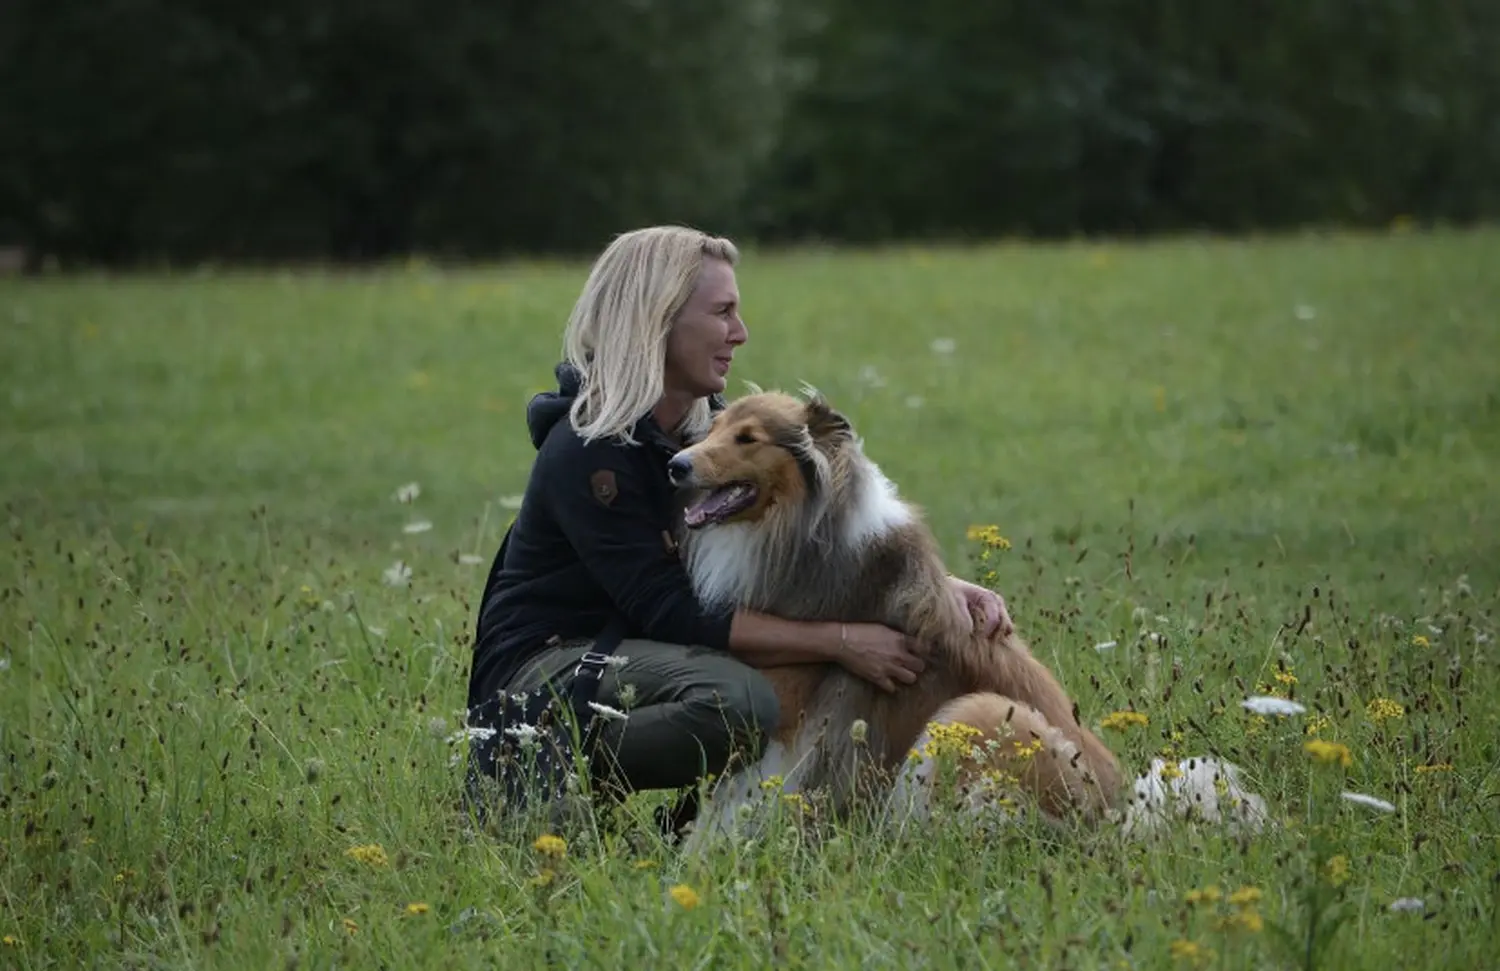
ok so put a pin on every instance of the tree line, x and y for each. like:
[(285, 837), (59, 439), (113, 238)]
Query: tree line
[(185, 130)]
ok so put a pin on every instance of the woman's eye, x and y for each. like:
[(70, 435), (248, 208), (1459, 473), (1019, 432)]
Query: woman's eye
[(744, 438)]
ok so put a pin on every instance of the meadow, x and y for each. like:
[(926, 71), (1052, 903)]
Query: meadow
[(249, 514)]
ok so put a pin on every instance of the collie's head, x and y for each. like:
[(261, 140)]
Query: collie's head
[(768, 451)]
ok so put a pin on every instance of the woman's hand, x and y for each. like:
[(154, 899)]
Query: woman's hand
[(880, 655), (987, 603)]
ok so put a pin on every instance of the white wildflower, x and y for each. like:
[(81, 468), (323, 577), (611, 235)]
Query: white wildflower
[(4, 664), (605, 711), (1104, 646), (417, 526), (1305, 311), (1371, 801), (1269, 705), (470, 559), (944, 345), (409, 492), (474, 732), (869, 375), (398, 574), (915, 401), (525, 734), (859, 731), (510, 502), (1406, 905)]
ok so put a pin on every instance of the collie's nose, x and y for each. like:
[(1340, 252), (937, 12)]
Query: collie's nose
[(679, 467)]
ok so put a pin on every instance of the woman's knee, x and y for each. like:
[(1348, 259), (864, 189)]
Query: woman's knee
[(745, 705)]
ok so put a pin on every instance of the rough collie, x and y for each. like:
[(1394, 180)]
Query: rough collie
[(791, 518), (788, 516)]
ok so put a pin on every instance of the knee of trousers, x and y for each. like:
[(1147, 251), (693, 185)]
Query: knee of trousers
[(746, 708)]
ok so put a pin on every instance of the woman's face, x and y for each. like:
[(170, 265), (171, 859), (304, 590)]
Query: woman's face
[(700, 346)]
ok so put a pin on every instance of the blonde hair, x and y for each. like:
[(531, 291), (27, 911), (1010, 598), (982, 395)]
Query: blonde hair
[(617, 332)]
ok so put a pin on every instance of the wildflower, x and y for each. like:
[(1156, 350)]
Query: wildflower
[(1170, 771), (350, 927), (1338, 870), (944, 345), (644, 864), (686, 896), (10, 940), (1245, 897), (1103, 646), (372, 854), (1436, 767), (1317, 723), (771, 782), (1420, 640), (1286, 677), (1329, 752), (1246, 919), (1190, 951), (550, 845), (408, 493), (989, 536), (1371, 801), (510, 502), (470, 559), (950, 739), (543, 878), (1208, 895), (417, 908), (608, 713), (1120, 721), (398, 574), (1379, 709), (1271, 705), (1406, 905), (859, 731), (417, 526)]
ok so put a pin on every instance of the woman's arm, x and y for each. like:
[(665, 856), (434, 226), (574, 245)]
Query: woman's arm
[(874, 652)]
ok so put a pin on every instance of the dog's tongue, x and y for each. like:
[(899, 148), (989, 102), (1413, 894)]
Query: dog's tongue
[(716, 505)]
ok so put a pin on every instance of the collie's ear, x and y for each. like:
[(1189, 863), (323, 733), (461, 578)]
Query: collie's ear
[(823, 422)]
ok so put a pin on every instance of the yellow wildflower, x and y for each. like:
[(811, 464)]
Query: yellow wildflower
[(1436, 767), (989, 536), (1317, 723), (549, 845), (417, 908), (1329, 752), (10, 940), (1245, 896), (686, 896), (1379, 709), (772, 782), (1170, 771), (543, 878), (1247, 919), (1208, 895), (372, 854), (953, 739), (1122, 720), (1420, 640), (1286, 677), (644, 864), (350, 927), (1191, 951), (1338, 869)]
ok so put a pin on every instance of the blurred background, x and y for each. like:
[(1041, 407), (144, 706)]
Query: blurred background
[(185, 131)]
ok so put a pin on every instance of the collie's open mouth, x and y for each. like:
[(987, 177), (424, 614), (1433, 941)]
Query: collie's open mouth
[(720, 504)]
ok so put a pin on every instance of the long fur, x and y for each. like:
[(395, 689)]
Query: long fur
[(829, 539)]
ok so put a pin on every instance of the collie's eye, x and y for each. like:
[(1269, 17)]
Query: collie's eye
[(744, 438)]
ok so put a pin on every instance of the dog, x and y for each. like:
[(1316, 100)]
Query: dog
[(787, 515)]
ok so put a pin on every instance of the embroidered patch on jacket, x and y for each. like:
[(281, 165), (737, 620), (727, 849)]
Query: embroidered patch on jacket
[(603, 484)]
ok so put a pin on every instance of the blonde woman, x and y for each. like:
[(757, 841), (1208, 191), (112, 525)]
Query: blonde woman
[(649, 347)]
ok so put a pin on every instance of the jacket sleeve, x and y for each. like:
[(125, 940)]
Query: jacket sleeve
[(603, 507)]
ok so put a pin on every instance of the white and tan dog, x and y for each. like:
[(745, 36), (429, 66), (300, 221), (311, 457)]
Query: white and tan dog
[(791, 518)]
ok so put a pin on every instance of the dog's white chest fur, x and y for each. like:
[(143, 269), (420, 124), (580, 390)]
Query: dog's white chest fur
[(724, 563)]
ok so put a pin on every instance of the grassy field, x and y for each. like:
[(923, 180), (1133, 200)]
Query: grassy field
[(1248, 466)]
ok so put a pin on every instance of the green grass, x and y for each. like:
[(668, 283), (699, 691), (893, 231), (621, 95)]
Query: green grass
[(1279, 454)]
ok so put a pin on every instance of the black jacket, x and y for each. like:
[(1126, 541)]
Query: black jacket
[(594, 534)]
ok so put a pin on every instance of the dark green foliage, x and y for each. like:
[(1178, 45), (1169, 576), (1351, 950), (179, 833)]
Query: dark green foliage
[(143, 129)]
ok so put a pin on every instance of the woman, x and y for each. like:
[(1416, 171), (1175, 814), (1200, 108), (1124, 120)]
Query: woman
[(648, 350)]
